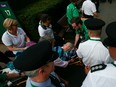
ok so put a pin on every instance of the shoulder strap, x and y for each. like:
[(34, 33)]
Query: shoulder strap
[(98, 67), (55, 81)]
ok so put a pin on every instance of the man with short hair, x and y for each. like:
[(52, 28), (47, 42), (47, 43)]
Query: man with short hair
[(92, 51), (104, 75), (72, 11), (37, 63), (89, 9), (80, 30)]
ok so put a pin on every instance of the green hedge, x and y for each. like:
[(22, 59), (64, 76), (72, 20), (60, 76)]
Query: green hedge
[(29, 16)]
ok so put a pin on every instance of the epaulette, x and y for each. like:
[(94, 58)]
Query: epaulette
[(98, 67)]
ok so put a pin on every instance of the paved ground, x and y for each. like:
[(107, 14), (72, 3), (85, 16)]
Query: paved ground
[(2, 47), (108, 14)]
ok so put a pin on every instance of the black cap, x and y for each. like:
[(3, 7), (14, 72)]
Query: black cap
[(111, 33), (35, 56), (94, 24)]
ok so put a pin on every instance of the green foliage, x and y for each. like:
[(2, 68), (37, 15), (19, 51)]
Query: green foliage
[(38, 7)]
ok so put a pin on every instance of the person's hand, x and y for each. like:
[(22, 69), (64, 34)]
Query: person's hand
[(25, 48), (21, 74), (87, 68), (71, 60)]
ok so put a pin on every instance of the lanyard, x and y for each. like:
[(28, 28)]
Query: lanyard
[(113, 64), (55, 81), (32, 85)]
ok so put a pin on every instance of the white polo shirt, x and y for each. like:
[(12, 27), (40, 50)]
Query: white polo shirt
[(17, 41), (88, 7), (93, 52), (48, 31), (101, 78)]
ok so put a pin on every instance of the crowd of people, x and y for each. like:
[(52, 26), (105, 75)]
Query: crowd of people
[(38, 60)]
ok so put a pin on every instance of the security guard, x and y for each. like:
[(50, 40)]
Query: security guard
[(89, 9), (37, 63), (104, 75), (92, 51)]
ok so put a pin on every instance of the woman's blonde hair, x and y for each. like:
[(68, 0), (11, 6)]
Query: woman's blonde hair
[(8, 22)]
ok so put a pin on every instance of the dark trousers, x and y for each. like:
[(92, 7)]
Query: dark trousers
[(87, 16)]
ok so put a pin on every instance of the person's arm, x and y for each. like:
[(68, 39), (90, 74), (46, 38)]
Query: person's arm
[(87, 68), (95, 14), (11, 48), (71, 60), (14, 75), (60, 63), (94, 11), (76, 39), (27, 39)]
